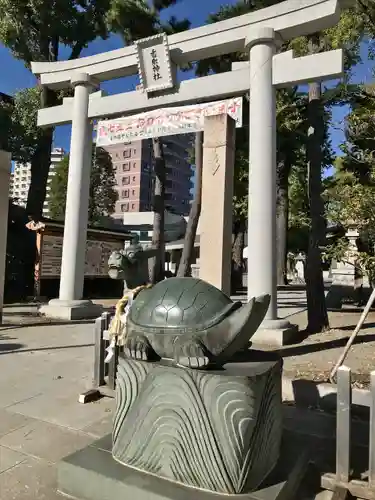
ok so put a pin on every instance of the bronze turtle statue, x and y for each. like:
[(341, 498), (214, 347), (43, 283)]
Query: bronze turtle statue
[(191, 322)]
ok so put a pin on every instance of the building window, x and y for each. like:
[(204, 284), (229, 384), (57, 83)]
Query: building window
[(125, 193), (133, 192), (126, 167), (133, 178), (127, 153), (134, 165), (124, 207), (133, 206), (135, 151), (125, 181)]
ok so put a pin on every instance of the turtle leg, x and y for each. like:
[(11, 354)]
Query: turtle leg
[(190, 353), (137, 347)]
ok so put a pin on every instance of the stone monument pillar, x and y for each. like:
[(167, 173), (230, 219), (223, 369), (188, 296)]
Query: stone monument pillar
[(261, 247), (345, 280), (70, 305), (217, 201), (5, 164)]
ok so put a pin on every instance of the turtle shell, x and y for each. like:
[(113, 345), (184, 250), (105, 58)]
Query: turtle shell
[(180, 305)]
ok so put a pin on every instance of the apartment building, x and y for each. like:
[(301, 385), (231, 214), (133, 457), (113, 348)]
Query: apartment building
[(135, 179), (21, 178)]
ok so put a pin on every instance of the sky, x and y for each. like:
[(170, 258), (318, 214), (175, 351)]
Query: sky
[(17, 76)]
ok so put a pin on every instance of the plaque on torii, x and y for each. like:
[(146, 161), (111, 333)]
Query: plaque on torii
[(154, 64)]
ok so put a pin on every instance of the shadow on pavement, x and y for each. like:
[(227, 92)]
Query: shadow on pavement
[(285, 352), (19, 349)]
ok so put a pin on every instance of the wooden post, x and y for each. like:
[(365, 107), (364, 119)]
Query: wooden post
[(371, 474), (343, 424)]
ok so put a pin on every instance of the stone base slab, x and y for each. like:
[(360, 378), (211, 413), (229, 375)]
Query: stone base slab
[(93, 474), (71, 310), (277, 332)]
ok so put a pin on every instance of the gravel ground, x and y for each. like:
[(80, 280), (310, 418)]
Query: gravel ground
[(315, 356)]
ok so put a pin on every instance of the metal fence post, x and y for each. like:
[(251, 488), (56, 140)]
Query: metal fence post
[(112, 369), (343, 424), (107, 321), (99, 352)]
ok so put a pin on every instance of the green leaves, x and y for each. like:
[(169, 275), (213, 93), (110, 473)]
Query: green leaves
[(103, 195), (136, 19), (34, 30), (18, 124)]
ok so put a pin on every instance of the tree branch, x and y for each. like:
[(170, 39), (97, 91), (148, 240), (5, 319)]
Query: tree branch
[(76, 50), (367, 12)]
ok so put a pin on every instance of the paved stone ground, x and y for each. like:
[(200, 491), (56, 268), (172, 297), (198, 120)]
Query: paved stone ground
[(43, 370)]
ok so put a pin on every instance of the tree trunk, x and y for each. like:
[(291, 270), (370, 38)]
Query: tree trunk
[(195, 211), (282, 214), (41, 160), (316, 303), (40, 163), (237, 256), (157, 263)]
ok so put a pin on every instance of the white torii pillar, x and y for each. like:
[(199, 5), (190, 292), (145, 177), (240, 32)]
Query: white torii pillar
[(70, 305), (261, 245)]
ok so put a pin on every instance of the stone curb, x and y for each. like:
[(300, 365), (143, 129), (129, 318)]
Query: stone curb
[(319, 395)]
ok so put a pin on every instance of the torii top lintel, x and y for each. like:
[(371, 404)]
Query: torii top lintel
[(290, 19)]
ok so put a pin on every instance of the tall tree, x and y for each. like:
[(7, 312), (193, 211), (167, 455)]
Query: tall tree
[(103, 194), (195, 211), (350, 193), (290, 105), (36, 30), (346, 35), (316, 304), (158, 240)]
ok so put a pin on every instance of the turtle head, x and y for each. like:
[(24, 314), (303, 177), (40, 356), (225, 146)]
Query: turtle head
[(235, 330)]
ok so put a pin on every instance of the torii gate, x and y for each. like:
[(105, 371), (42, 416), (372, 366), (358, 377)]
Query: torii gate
[(260, 32)]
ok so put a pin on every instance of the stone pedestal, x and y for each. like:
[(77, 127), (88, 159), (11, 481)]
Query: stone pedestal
[(5, 164), (217, 201), (276, 332), (71, 310), (217, 430), (176, 429)]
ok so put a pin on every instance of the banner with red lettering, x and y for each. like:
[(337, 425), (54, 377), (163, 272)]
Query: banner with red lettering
[(167, 121)]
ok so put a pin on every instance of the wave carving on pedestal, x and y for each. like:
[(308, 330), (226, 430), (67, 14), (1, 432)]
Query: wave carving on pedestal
[(204, 430)]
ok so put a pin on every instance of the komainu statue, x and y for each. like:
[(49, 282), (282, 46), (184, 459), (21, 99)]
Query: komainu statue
[(131, 265)]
